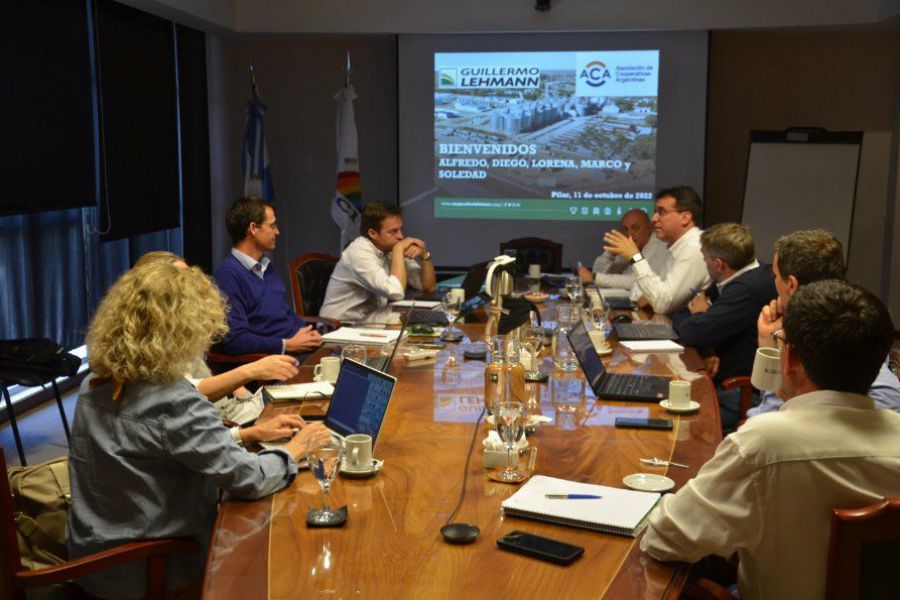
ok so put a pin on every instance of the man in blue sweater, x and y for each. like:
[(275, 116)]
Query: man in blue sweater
[(721, 321), (261, 318)]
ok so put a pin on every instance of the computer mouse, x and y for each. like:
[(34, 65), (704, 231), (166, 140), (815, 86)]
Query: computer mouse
[(622, 319)]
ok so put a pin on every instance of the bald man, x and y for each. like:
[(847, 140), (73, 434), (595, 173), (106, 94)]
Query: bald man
[(615, 271)]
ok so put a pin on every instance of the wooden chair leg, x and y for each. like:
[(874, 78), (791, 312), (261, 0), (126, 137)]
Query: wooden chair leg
[(156, 578), (62, 410), (12, 423)]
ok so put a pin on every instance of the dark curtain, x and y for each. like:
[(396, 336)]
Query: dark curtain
[(53, 272)]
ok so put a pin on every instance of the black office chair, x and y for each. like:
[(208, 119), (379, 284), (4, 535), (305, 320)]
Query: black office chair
[(34, 362), (310, 274), (535, 251)]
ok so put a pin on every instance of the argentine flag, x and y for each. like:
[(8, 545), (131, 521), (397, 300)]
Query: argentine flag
[(255, 157)]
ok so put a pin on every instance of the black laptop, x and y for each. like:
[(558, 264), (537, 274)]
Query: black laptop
[(471, 283), (360, 400), (628, 332), (614, 386)]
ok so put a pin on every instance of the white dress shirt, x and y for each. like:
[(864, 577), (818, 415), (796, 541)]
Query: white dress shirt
[(617, 272), (670, 289), (362, 282), (769, 490)]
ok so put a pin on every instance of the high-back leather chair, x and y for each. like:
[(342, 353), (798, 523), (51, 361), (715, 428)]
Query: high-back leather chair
[(535, 251), (14, 579), (310, 274), (863, 552)]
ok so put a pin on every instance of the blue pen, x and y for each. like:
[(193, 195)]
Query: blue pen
[(572, 497), (695, 292)]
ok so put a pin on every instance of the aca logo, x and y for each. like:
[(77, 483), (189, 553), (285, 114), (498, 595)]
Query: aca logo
[(595, 73), (447, 78)]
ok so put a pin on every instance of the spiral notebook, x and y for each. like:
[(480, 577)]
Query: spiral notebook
[(618, 511)]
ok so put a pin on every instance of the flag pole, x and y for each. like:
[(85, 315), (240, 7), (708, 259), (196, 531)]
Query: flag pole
[(347, 70)]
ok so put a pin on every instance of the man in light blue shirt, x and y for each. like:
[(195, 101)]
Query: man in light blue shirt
[(801, 258)]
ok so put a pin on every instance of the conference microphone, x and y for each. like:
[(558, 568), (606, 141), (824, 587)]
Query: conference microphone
[(463, 533)]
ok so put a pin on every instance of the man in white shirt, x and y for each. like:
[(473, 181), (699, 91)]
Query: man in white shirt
[(769, 490), (677, 211), (611, 271), (376, 267)]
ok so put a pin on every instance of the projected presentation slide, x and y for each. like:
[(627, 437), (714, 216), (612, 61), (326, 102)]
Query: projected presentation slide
[(545, 135)]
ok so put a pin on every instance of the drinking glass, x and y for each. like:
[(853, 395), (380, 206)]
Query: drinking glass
[(510, 420), (324, 463), (563, 355), (355, 352), (533, 337), (575, 290), (450, 304)]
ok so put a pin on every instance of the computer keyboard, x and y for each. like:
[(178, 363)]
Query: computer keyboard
[(428, 317), (623, 385), (378, 362)]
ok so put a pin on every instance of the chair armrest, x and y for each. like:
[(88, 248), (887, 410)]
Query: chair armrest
[(742, 382), (219, 363), (323, 324), (99, 561), (736, 382)]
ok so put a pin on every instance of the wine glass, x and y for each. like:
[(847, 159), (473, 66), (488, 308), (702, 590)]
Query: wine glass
[(575, 290), (534, 341), (510, 421), (324, 463), (450, 304)]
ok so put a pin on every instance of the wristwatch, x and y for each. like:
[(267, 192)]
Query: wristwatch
[(637, 256), (426, 256), (236, 435)]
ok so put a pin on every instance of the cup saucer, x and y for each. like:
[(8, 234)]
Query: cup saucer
[(362, 474), (606, 351), (319, 379), (691, 407), (648, 482)]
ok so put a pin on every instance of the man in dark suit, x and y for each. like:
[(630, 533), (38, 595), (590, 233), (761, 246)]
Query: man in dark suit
[(721, 320)]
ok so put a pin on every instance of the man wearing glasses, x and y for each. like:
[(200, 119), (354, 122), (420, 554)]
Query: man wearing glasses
[(674, 222), (801, 258), (611, 271), (769, 490), (261, 318)]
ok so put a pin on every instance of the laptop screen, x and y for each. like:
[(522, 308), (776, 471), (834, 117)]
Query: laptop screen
[(360, 400), (587, 357)]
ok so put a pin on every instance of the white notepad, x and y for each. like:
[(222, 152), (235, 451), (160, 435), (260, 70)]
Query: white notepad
[(316, 390), (617, 511), (417, 303), (645, 346), (354, 335)]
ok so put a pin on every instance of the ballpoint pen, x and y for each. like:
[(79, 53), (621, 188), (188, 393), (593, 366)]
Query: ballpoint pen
[(572, 497), (373, 335)]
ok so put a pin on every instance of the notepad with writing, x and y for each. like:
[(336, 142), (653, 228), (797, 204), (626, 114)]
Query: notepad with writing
[(618, 511), (372, 337)]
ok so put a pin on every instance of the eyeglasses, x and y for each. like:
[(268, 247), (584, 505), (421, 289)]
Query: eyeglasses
[(780, 339), (661, 211)]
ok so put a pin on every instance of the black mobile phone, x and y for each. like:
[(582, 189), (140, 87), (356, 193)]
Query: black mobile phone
[(540, 547), (626, 423), (473, 303)]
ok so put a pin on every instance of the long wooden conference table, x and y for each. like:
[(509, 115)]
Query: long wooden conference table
[(391, 546)]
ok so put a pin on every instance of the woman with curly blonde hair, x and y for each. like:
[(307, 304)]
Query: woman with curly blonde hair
[(148, 450)]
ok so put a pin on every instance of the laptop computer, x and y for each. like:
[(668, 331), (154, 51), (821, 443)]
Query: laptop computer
[(383, 363), (360, 400), (614, 386), (628, 332), (472, 283)]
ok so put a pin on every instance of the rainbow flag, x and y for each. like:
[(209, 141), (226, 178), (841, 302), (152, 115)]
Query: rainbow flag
[(347, 204)]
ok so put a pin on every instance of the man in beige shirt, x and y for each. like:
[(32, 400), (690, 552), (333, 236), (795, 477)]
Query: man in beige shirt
[(769, 490)]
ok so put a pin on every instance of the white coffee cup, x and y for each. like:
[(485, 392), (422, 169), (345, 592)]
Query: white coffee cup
[(534, 271), (766, 374), (328, 369), (358, 454), (679, 393), (598, 339), (458, 294)]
